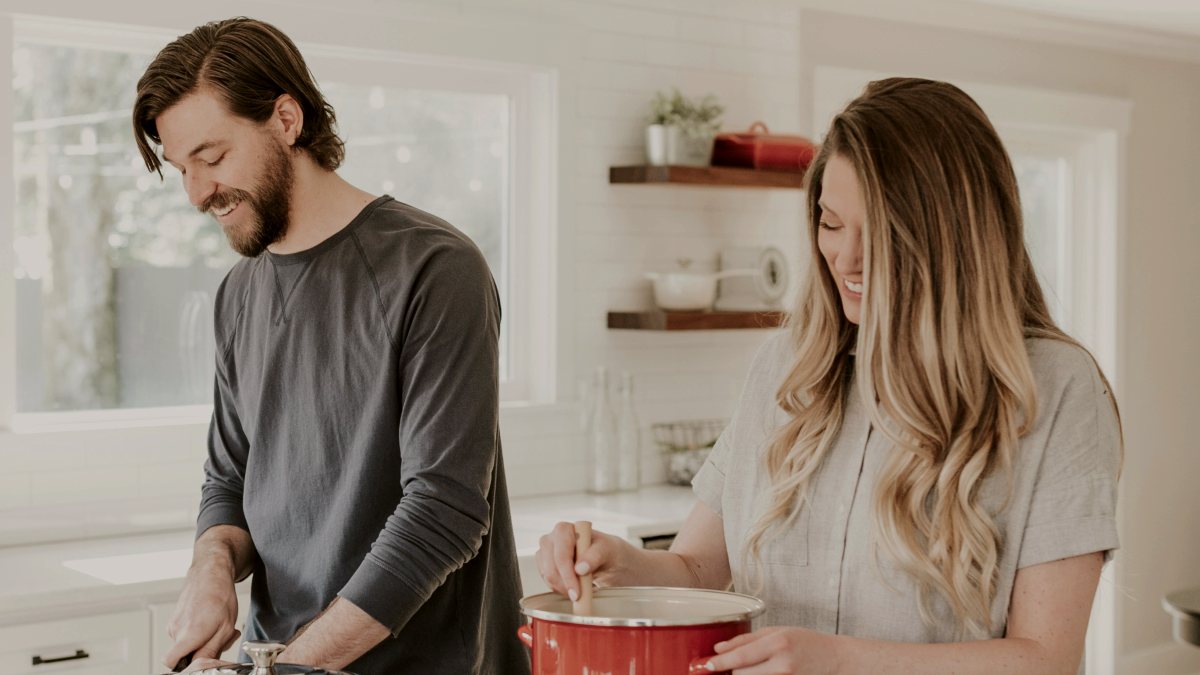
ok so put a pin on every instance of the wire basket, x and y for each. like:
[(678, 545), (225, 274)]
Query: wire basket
[(686, 445)]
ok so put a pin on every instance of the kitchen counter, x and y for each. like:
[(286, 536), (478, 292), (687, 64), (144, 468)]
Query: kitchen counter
[(48, 580)]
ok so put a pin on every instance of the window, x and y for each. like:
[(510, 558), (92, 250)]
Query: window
[(114, 272), (444, 152), (1045, 180)]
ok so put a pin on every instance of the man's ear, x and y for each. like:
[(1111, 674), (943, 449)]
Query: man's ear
[(290, 118)]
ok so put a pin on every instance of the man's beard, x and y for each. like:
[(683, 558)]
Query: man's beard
[(270, 204)]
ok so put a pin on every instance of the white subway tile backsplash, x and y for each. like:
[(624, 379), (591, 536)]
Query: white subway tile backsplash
[(785, 40), (626, 76), (166, 479), (614, 103), (28, 456), (74, 486), (701, 250), (750, 61), (617, 47), (771, 12), (546, 479), (135, 456), (618, 19), (711, 31), (679, 54), (615, 135), (544, 450), (14, 489)]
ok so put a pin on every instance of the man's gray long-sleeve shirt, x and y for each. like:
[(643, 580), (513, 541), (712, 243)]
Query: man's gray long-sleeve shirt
[(355, 436)]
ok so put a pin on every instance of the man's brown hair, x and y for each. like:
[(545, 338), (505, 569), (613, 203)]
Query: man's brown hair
[(249, 64)]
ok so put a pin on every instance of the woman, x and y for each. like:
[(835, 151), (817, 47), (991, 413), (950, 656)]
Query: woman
[(921, 474)]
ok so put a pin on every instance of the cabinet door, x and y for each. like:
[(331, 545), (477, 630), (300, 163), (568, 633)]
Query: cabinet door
[(104, 644), (161, 613)]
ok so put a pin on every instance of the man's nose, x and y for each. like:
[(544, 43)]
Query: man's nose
[(198, 187)]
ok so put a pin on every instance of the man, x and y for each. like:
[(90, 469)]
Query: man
[(354, 459)]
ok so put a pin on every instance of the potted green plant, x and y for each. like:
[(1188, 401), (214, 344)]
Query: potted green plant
[(681, 130)]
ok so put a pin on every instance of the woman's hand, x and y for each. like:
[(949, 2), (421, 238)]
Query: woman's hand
[(777, 651), (606, 559)]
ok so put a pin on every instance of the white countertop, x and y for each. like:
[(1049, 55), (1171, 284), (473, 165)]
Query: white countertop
[(68, 576)]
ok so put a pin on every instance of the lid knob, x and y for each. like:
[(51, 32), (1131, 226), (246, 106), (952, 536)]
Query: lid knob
[(263, 654)]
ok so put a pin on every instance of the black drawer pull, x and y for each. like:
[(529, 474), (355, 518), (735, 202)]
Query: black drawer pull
[(79, 655)]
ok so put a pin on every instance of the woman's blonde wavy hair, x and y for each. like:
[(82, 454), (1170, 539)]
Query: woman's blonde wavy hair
[(950, 296)]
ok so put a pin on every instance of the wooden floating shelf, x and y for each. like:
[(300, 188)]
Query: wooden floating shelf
[(659, 320), (705, 175)]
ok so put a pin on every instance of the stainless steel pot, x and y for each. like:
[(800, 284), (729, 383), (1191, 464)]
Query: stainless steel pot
[(263, 656)]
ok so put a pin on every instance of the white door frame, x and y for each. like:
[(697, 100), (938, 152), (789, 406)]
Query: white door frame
[(1095, 127)]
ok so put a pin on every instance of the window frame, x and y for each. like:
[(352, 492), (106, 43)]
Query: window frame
[(530, 242)]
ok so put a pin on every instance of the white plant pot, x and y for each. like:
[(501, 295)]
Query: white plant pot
[(656, 145)]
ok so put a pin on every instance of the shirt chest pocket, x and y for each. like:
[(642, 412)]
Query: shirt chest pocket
[(787, 545)]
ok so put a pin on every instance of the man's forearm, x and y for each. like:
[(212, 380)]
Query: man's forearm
[(340, 635), (224, 548)]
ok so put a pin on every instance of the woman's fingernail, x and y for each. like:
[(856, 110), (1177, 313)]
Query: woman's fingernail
[(582, 568), (709, 666), (720, 646), (573, 595)]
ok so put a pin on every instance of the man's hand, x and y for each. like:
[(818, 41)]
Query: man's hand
[(205, 620), (336, 638), (205, 664)]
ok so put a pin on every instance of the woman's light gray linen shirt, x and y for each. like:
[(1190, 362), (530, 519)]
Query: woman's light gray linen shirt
[(820, 574)]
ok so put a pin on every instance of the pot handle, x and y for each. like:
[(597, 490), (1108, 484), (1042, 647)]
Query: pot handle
[(525, 633), (697, 666)]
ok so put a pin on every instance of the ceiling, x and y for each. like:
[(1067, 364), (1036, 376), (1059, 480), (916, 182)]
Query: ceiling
[(1180, 17)]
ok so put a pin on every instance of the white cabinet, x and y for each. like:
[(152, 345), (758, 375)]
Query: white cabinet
[(160, 615), (103, 644)]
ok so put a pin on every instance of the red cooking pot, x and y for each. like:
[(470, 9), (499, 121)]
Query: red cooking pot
[(634, 630)]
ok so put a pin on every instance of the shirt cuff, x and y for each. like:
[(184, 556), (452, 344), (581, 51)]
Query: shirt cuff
[(1063, 539), (382, 595), (221, 514), (709, 485)]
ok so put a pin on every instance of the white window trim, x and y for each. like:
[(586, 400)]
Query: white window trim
[(1098, 126), (531, 242)]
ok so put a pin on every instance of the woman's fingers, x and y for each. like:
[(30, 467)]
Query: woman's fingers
[(563, 552), (735, 642), (557, 564), (746, 651)]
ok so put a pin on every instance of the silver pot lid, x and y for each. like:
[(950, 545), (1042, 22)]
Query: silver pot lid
[(278, 669), (263, 655), (647, 606)]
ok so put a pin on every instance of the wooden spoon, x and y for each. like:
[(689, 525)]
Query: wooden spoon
[(583, 541)]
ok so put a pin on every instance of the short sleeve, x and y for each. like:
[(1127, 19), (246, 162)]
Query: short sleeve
[(1073, 507), (751, 421), (709, 482)]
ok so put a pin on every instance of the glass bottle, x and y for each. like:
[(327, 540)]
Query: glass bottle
[(629, 462), (601, 438)]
